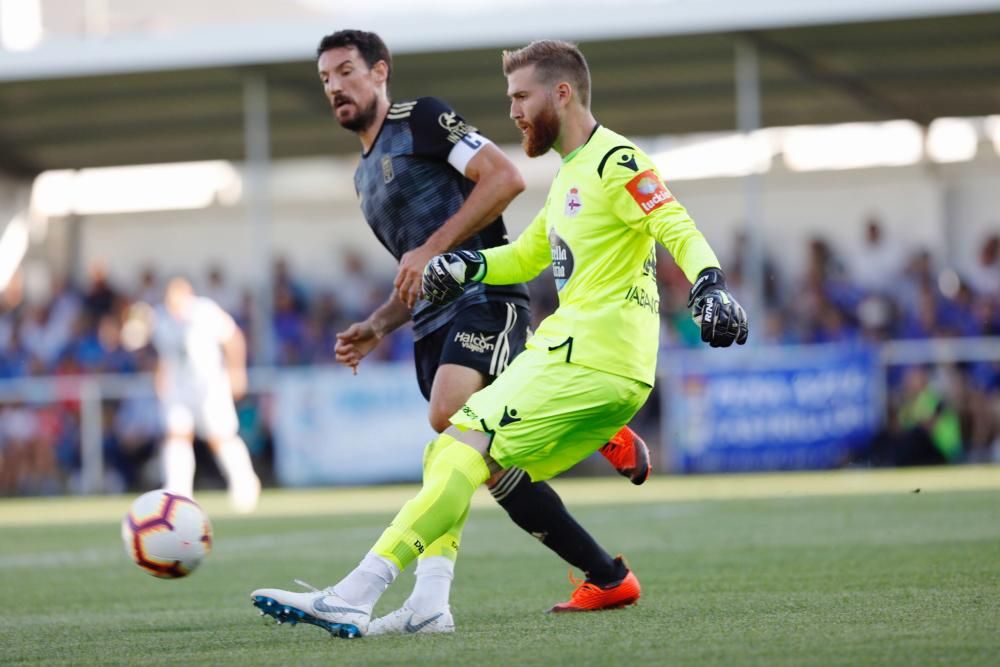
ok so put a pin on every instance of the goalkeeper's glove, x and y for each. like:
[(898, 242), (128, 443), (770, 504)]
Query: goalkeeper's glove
[(721, 318), (446, 276)]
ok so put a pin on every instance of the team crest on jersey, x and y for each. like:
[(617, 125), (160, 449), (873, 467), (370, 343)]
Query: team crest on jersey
[(387, 173), (573, 202), (648, 191), (562, 259)]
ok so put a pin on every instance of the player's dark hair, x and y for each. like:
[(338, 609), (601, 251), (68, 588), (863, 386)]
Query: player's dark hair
[(369, 45), (554, 60)]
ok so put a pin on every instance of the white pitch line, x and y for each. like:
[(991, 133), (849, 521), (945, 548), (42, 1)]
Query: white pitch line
[(227, 549)]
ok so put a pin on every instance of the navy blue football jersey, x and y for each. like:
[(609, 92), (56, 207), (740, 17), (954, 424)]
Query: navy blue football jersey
[(408, 189)]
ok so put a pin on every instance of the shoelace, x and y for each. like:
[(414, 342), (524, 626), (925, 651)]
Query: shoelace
[(306, 585), (582, 586)]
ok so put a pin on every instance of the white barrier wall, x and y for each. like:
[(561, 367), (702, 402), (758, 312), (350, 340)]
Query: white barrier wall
[(316, 217), (331, 427)]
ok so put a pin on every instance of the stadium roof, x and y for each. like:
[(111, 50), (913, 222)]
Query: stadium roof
[(180, 96)]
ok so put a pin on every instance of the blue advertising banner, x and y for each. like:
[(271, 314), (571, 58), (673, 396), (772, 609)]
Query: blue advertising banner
[(769, 408)]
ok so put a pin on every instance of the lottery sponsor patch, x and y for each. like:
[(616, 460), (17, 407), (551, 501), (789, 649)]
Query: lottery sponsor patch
[(648, 191)]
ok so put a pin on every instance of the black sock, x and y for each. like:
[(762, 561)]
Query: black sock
[(538, 509)]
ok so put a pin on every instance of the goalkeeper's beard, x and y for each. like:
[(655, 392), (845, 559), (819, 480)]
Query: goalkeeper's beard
[(542, 133)]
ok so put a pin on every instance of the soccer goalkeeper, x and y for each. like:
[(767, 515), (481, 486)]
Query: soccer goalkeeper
[(591, 364)]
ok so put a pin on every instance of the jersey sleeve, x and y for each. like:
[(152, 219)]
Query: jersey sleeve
[(640, 198), (439, 133), (521, 260)]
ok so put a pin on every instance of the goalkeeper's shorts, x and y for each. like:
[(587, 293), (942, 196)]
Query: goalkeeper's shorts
[(545, 415)]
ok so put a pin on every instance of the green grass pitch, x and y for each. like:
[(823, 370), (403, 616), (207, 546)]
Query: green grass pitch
[(846, 568)]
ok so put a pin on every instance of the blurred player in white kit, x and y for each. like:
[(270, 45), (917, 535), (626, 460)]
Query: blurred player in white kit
[(200, 371)]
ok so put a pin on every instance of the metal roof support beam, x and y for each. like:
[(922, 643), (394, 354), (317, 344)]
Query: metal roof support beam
[(257, 198), (13, 164), (814, 70)]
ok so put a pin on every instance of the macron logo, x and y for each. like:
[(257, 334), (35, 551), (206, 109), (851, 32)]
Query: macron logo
[(509, 417)]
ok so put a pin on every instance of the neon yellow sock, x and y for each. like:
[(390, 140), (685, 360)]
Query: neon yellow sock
[(438, 512), (447, 544)]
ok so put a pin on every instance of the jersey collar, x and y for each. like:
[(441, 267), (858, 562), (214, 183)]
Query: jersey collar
[(572, 154), (385, 119)]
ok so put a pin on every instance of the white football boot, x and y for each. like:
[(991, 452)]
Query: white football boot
[(324, 609), (405, 621)]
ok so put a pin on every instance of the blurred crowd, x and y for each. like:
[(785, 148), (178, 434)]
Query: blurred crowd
[(79, 330), (877, 292)]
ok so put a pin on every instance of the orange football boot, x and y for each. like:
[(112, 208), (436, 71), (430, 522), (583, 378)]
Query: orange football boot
[(629, 454), (591, 597)]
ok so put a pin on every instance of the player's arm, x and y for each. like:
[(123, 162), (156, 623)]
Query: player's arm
[(440, 133), (447, 275), (640, 198), (497, 183), (234, 355), (355, 342)]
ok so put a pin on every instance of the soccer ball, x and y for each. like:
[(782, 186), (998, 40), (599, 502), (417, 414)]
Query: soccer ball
[(166, 534)]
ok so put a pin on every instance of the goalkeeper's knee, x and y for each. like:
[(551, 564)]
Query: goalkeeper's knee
[(431, 451)]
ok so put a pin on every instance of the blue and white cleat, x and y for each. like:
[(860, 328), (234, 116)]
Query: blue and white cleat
[(324, 609), (405, 621)]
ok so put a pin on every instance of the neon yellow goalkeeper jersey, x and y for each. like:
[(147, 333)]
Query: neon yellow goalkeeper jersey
[(606, 209)]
